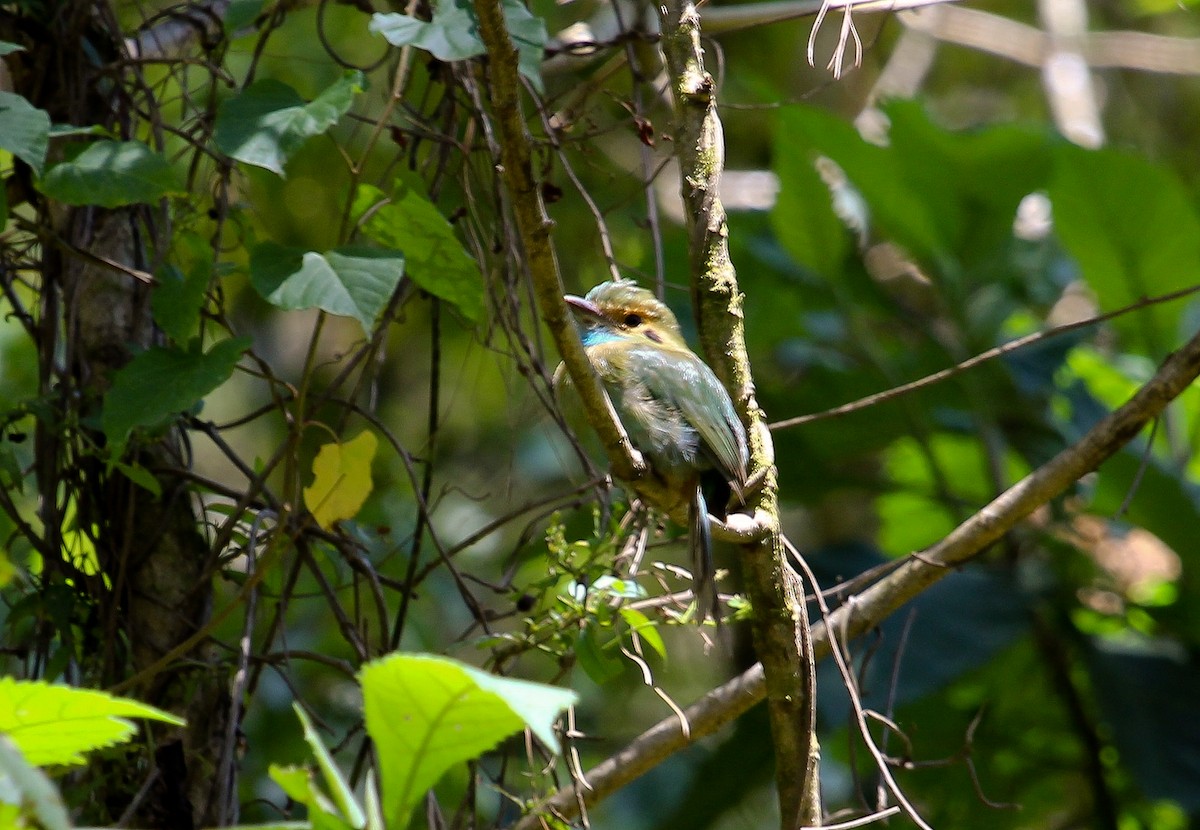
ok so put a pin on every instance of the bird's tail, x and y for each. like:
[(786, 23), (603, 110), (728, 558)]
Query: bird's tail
[(704, 583)]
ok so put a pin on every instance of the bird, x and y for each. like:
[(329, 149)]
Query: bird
[(673, 408)]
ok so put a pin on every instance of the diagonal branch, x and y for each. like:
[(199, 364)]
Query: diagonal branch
[(524, 197), (864, 611)]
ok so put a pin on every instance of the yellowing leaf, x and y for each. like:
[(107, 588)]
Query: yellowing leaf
[(341, 479)]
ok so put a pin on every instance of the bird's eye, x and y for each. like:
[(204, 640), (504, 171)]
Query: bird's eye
[(632, 320)]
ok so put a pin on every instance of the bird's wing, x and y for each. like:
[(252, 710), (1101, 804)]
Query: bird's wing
[(684, 381)]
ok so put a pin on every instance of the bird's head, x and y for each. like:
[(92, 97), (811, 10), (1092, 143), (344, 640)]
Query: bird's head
[(623, 310)]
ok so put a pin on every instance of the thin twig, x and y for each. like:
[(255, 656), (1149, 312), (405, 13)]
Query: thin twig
[(982, 357)]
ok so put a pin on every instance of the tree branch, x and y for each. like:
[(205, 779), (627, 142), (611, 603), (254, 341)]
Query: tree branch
[(864, 611), (780, 622), (525, 200)]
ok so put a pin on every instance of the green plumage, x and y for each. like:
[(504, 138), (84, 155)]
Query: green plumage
[(674, 409)]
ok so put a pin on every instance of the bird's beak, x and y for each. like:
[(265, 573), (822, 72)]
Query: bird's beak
[(584, 308)]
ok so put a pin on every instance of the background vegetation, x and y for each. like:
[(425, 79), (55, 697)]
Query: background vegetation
[(275, 394)]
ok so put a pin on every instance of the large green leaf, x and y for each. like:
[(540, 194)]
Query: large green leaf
[(162, 381), (938, 193), (872, 172), (353, 282), (24, 130), (57, 724), (269, 121), (803, 216), (427, 713), (453, 34), (1134, 231), (111, 174), (434, 258)]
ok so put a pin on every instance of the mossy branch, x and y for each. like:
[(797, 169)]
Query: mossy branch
[(780, 623)]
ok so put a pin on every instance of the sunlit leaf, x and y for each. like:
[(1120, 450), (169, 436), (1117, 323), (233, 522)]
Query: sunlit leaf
[(426, 714), (269, 121), (434, 258), (341, 479), (1133, 229), (352, 282), (453, 33), (57, 724), (640, 624)]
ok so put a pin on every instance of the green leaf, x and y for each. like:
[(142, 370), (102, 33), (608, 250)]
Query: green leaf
[(352, 282), (645, 628), (178, 298), (599, 665), (433, 257), (1132, 227), (342, 479), (7, 48), (240, 14), (111, 174), (163, 381), (269, 121), (428, 713), (140, 476), (804, 218), (299, 785), (453, 34), (343, 796), (26, 786), (57, 724), (24, 129)]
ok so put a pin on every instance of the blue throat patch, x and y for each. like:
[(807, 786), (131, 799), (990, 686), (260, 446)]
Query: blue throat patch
[(594, 337)]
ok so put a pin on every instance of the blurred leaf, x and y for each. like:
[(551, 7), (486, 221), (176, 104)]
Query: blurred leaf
[(57, 724), (453, 34), (1134, 231), (434, 258), (343, 795), (140, 476), (342, 479), (427, 714), (7, 48), (269, 121), (240, 14), (353, 282), (162, 381), (972, 181), (1147, 691), (111, 174), (299, 785), (804, 218), (640, 624), (956, 625), (598, 664), (24, 129), (28, 791), (876, 173)]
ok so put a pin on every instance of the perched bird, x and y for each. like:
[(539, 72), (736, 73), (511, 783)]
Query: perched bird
[(675, 411)]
